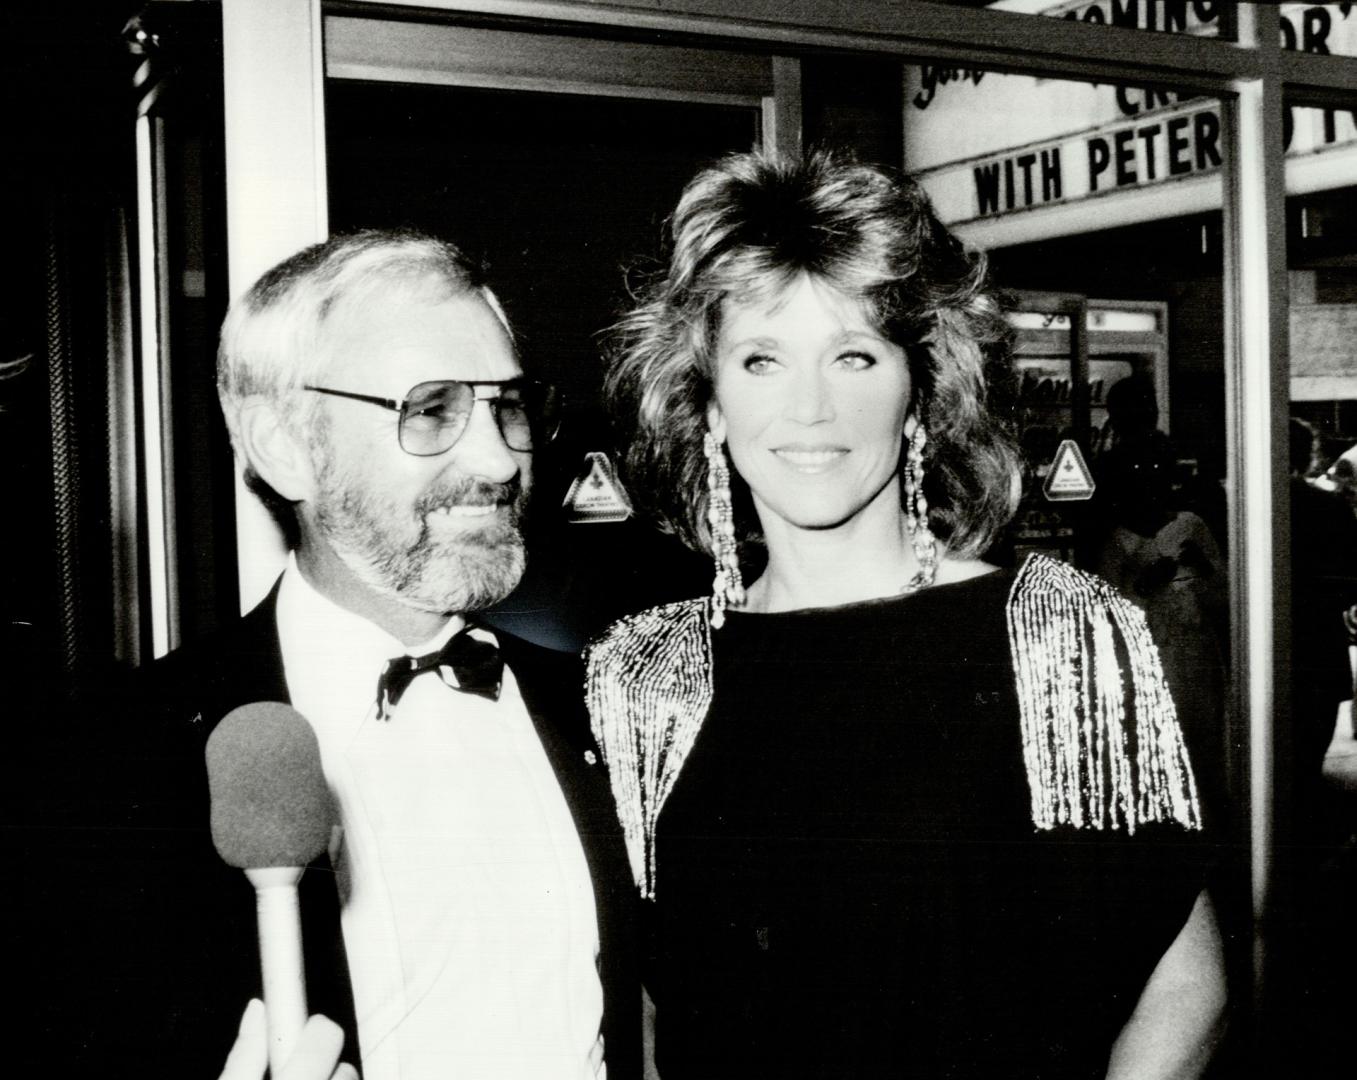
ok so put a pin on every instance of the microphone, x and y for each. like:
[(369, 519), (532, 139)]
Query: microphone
[(272, 814)]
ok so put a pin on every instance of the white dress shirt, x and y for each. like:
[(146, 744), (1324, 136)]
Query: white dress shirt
[(467, 908)]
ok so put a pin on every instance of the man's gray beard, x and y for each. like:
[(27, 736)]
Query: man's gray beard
[(466, 570)]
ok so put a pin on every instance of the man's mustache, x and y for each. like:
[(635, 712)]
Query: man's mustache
[(469, 491)]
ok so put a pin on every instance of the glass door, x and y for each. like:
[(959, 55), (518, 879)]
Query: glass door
[(554, 160)]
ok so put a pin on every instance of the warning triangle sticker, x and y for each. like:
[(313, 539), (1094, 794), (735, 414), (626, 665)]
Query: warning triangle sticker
[(1068, 478), (596, 494)]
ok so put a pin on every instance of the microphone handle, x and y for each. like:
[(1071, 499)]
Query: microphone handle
[(280, 958)]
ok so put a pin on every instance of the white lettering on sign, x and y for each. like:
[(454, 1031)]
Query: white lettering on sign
[(1069, 478), (596, 494)]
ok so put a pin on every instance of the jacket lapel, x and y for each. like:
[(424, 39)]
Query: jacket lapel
[(242, 665), (552, 685)]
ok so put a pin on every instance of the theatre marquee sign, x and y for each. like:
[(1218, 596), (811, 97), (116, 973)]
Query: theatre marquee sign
[(990, 148)]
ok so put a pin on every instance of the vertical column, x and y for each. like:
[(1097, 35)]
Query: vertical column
[(154, 388), (782, 111), (1257, 389), (274, 74)]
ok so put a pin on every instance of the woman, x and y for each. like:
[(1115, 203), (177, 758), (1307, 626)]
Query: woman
[(896, 812)]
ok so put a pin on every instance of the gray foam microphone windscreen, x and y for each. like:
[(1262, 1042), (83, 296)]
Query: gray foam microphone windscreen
[(270, 803)]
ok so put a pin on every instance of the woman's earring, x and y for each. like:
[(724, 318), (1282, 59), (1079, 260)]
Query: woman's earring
[(916, 513), (727, 588)]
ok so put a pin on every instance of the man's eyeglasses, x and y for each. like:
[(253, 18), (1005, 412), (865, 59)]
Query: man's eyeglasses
[(434, 415)]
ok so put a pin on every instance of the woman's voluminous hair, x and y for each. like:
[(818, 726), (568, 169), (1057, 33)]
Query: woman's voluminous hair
[(272, 342), (744, 230)]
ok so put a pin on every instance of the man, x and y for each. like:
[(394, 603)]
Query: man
[(371, 388)]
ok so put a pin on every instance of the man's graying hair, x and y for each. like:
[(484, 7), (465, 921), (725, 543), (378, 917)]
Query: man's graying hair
[(272, 341)]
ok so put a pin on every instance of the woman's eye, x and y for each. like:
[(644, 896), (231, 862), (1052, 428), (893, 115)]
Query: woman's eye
[(759, 364), (855, 361)]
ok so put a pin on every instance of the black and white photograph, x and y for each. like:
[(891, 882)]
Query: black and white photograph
[(680, 539)]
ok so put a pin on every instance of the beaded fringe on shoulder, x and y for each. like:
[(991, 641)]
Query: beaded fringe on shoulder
[(1092, 762), (1100, 753), (648, 687)]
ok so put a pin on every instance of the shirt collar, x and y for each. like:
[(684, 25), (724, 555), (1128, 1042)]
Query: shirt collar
[(305, 613), (332, 657)]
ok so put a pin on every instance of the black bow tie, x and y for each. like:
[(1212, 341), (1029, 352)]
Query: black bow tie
[(476, 667)]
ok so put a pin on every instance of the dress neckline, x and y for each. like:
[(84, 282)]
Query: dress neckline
[(873, 604)]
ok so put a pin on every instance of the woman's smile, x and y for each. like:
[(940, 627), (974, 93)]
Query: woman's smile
[(808, 458), (811, 402)]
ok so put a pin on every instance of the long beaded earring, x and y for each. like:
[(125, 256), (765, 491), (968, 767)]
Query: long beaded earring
[(727, 588), (916, 513)]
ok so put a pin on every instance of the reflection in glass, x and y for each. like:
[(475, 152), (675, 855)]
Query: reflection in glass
[(1100, 209), (986, 145), (1099, 206), (1321, 181), (1321, 866)]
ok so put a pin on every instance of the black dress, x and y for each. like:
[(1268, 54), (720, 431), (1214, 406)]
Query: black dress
[(849, 883)]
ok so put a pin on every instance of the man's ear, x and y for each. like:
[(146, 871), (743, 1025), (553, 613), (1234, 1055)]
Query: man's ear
[(277, 453)]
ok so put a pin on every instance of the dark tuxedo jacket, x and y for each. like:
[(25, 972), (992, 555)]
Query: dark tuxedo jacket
[(177, 959)]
